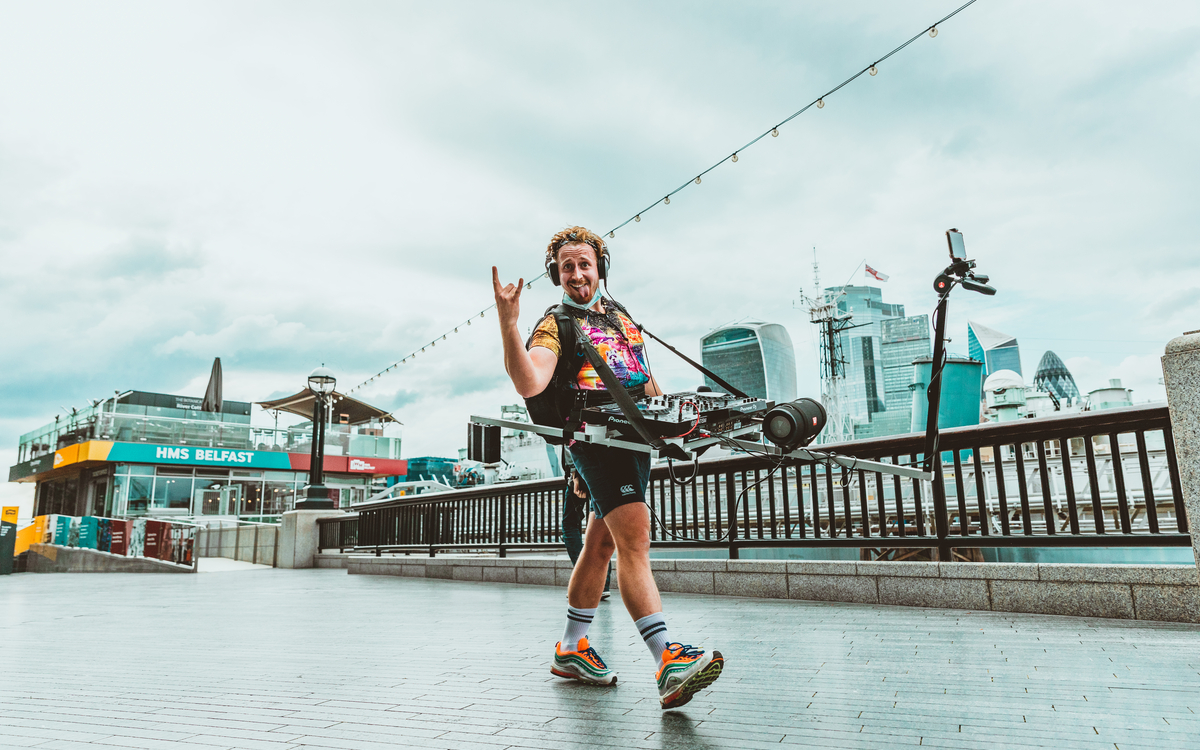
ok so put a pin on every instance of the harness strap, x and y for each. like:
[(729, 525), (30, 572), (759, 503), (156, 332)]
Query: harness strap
[(623, 400)]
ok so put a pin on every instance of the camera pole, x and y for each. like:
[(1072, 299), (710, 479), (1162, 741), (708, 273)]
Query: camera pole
[(933, 461), (960, 271)]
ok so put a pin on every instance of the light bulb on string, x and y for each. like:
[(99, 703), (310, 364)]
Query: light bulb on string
[(735, 157), (667, 201), (872, 70), (638, 217), (774, 132), (933, 31), (820, 104), (697, 180), (612, 234)]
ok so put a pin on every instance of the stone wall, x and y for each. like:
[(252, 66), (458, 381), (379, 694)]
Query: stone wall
[(52, 558), (1130, 592)]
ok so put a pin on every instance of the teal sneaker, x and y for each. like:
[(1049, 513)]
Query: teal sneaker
[(685, 671), (583, 664)]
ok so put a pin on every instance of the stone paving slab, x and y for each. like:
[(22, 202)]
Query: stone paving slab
[(282, 659)]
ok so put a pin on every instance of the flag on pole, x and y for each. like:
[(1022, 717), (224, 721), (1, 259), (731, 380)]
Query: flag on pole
[(879, 276)]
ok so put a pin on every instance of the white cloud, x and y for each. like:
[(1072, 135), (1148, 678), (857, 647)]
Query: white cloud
[(283, 185)]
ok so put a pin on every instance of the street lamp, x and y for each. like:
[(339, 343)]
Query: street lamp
[(320, 383)]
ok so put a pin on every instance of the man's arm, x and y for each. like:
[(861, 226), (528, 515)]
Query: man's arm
[(530, 371)]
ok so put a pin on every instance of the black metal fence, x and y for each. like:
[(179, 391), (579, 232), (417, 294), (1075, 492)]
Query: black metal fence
[(1104, 479)]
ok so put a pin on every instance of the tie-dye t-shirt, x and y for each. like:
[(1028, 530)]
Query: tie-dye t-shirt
[(615, 337)]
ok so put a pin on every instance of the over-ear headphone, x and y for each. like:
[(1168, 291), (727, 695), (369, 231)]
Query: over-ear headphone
[(602, 265)]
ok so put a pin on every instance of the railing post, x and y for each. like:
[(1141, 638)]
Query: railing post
[(941, 517), (1181, 375), (501, 524)]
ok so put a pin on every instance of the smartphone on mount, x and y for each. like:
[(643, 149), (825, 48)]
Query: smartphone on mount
[(958, 251)]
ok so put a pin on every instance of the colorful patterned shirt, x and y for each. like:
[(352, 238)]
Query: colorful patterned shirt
[(615, 337)]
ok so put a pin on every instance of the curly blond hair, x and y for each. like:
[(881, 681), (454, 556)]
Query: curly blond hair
[(572, 235)]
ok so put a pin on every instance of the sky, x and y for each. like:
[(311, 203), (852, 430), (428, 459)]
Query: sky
[(289, 184)]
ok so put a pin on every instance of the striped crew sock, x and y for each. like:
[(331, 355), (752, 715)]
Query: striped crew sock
[(578, 621), (654, 632)]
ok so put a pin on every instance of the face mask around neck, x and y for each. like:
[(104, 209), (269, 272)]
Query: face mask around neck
[(568, 301)]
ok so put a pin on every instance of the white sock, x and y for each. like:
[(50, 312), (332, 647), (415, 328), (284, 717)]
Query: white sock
[(578, 621), (654, 632)]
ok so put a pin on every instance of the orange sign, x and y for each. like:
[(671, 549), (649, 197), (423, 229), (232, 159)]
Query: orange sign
[(9, 515)]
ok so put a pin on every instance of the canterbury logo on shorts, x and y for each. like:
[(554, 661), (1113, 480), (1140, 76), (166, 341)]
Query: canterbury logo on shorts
[(627, 489)]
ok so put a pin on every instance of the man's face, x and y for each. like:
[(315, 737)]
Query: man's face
[(577, 271)]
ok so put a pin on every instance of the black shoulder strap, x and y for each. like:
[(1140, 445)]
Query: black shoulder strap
[(622, 398), (569, 364), (712, 375)]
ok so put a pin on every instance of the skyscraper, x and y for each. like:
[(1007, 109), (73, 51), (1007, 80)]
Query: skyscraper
[(1053, 377), (997, 351), (755, 356), (902, 341), (864, 391)]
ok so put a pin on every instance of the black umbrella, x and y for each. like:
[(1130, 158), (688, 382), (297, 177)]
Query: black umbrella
[(212, 396)]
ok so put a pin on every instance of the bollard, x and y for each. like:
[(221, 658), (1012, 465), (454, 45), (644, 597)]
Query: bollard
[(1181, 375)]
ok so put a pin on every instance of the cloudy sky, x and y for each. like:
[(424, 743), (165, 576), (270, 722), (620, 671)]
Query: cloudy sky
[(286, 184)]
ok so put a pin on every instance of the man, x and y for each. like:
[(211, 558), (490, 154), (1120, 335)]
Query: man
[(616, 478), (575, 508)]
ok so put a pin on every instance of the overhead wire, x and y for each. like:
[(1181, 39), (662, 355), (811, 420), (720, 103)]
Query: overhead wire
[(819, 103)]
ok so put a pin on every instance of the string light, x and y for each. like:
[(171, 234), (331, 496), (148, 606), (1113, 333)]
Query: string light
[(872, 69)]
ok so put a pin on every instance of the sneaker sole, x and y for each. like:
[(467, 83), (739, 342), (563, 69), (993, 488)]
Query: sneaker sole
[(698, 682), (572, 676)]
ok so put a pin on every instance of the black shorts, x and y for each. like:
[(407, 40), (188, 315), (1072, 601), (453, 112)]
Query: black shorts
[(614, 476)]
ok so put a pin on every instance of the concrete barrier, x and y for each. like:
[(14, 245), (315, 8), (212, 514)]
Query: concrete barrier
[(1181, 376), (1130, 592), (52, 558)]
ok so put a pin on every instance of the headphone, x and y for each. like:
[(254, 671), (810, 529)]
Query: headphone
[(601, 266)]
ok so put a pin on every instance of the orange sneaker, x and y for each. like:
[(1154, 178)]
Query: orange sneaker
[(685, 671), (583, 664)]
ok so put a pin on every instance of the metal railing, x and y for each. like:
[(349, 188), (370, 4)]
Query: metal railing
[(238, 540), (340, 533), (1102, 479)]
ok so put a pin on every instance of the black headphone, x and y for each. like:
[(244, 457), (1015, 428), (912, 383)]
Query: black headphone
[(601, 266)]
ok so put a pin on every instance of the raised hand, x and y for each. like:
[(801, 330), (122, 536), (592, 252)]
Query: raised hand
[(508, 299)]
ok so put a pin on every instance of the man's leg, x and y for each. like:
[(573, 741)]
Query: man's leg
[(572, 522), (628, 526), (591, 569)]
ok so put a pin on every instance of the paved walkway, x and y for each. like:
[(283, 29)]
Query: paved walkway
[(318, 659)]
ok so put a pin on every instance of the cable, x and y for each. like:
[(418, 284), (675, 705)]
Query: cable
[(666, 199)]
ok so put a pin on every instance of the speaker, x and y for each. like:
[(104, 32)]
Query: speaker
[(475, 442), (491, 444), (795, 424)]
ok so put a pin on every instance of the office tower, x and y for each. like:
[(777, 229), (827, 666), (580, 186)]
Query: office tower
[(754, 356), (997, 351), (1053, 377), (864, 389)]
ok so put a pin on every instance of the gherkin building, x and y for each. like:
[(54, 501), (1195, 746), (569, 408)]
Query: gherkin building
[(1053, 377)]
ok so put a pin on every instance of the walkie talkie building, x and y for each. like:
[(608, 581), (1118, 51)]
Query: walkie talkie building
[(754, 356)]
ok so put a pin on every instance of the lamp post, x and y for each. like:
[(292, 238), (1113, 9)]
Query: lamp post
[(321, 383)]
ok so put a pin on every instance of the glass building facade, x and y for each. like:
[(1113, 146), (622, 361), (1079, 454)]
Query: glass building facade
[(997, 351), (864, 392), (1052, 376), (902, 342), (754, 356)]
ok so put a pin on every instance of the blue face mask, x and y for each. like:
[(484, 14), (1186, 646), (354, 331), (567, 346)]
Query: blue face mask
[(568, 301)]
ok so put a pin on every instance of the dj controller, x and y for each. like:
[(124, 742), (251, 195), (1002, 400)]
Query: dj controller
[(687, 414)]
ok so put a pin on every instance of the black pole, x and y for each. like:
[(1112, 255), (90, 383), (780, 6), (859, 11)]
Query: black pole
[(933, 394), (317, 494)]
